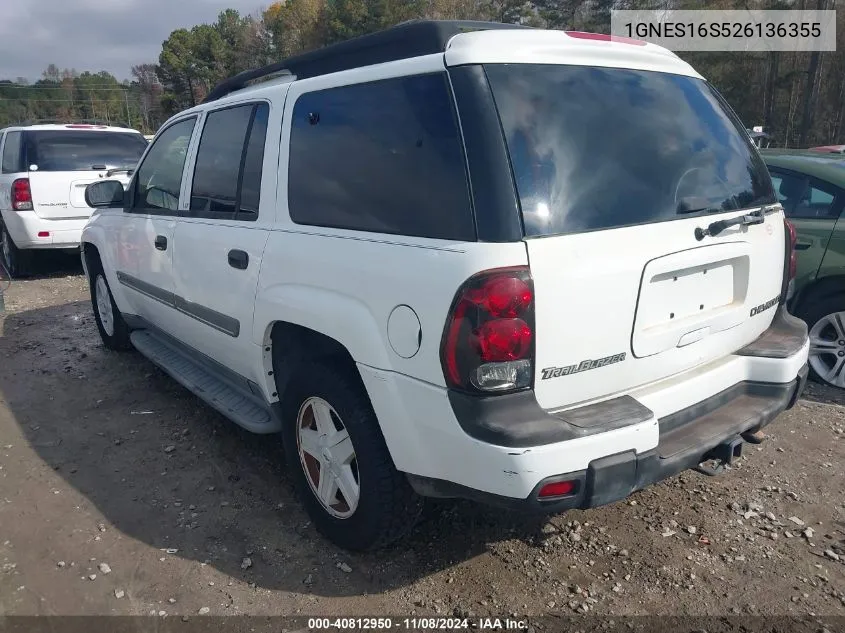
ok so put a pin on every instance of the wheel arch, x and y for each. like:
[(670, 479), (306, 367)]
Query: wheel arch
[(290, 345), (89, 254), (294, 323), (819, 290), (95, 246)]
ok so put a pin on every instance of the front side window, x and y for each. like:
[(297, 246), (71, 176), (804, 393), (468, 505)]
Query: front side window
[(12, 153), (384, 156), (159, 178), (77, 150), (597, 148)]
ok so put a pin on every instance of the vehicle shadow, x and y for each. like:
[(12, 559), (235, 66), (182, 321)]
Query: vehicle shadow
[(49, 263), (170, 472), (823, 394)]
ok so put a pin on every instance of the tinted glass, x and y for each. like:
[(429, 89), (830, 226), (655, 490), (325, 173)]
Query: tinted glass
[(159, 179), (12, 153), (596, 148), (76, 150), (802, 197), (254, 162), (384, 156), (215, 188)]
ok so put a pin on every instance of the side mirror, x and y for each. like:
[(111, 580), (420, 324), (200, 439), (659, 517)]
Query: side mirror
[(105, 193)]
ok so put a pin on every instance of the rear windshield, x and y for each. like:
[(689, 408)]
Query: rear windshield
[(597, 148), (60, 150)]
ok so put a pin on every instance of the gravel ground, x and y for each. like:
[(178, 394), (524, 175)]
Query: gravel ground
[(120, 493)]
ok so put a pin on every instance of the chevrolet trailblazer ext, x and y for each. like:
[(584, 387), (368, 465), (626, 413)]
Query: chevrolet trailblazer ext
[(540, 269)]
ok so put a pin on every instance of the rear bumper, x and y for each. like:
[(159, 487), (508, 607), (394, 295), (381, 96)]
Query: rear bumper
[(503, 450), (24, 227), (687, 439)]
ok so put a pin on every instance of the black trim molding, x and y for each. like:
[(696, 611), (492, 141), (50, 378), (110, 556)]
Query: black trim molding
[(212, 318)]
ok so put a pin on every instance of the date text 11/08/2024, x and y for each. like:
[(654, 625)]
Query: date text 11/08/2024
[(417, 624)]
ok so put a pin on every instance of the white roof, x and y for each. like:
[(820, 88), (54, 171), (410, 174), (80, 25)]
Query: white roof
[(538, 46)]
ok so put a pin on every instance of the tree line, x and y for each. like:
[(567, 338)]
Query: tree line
[(798, 97)]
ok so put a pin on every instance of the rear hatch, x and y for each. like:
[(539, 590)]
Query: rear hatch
[(615, 170), (63, 162)]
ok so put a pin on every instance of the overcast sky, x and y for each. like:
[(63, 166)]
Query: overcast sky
[(96, 35)]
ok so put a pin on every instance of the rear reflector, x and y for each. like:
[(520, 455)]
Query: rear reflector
[(557, 489), (43, 233)]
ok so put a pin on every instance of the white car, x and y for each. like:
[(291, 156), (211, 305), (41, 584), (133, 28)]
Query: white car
[(43, 175), (533, 268)]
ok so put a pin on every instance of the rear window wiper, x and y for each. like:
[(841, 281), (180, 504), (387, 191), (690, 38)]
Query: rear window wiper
[(129, 171), (749, 219)]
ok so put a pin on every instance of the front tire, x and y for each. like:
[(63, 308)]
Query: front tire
[(113, 329), (339, 461), (17, 261), (826, 323)]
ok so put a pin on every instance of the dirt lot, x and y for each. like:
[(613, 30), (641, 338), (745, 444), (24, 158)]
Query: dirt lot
[(120, 493)]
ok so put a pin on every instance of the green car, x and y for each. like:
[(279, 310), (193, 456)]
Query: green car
[(811, 188)]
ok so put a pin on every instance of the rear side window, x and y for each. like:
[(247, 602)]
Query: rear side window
[(598, 148), (803, 197), (384, 156), (227, 173), (12, 153), (75, 150)]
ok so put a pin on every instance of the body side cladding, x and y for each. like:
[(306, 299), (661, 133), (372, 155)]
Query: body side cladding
[(207, 316)]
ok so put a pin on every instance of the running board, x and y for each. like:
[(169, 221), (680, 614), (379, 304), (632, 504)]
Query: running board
[(204, 381)]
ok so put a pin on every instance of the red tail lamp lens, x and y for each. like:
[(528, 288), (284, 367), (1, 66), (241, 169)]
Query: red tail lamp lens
[(793, 257), (503, 340), (21, 195), (488, 343), (506, 297), (557, 489)]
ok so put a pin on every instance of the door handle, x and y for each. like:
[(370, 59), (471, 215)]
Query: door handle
[(238, 259), (161, 242), (802, 246)]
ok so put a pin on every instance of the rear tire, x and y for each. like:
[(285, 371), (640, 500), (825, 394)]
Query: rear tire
[(113, 329), (17, 261), (826, 324), (386, 506)]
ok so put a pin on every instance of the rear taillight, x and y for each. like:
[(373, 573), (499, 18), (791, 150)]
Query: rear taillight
[(488, 343), (21, 195), (792, 238), (790, 261)]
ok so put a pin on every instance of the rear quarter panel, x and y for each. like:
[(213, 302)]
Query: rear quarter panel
[(346, 286)]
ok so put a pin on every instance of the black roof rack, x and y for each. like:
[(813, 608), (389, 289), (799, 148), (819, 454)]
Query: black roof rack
[(67, 122), (405, 40)]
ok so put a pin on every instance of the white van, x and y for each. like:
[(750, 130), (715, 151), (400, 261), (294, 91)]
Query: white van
[(44, 172)]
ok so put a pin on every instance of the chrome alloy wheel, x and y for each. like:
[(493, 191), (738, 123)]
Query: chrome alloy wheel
[(328, 458), (104, 307), (827, 349)]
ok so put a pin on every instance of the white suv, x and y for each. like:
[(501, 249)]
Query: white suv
[(533, 268), (43, 175)]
